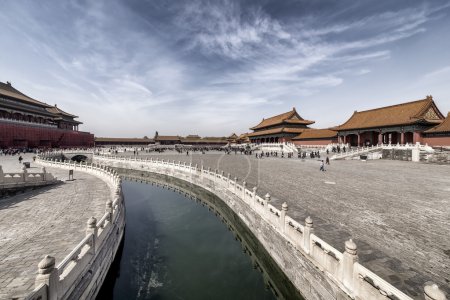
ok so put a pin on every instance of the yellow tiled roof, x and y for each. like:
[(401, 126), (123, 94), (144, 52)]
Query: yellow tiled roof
[(400, 114), (443, 127), (291, 117), (316, 134)]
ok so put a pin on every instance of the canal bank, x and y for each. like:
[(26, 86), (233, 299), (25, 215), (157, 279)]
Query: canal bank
[(316, 269), (183, 251)]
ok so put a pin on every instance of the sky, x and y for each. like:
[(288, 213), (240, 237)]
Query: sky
[(129, 68)]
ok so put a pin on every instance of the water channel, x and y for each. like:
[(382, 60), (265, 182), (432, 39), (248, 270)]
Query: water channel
[(182, 242)]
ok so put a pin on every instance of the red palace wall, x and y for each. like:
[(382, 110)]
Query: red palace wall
[(437, 140), (314, 142), (13, 135)]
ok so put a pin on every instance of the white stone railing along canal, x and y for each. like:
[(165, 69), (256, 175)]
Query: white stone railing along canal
[(340, 269), (93, 255), (25, 179)]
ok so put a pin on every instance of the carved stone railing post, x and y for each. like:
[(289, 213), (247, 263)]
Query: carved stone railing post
[(284, 209), (350, 257), (254, 195), (244, 186), (235, 184), (48, 274), (44, 174), (25, 173), (109, 209), (2, 175), (92, 228), (266, 204), (228, 180), (433, 292), (308, 229)]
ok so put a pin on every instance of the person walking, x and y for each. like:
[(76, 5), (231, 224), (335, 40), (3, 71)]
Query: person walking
[(20, 159), (322, 166), (327, 161)]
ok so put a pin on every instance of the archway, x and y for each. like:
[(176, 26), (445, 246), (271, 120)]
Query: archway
[(79, 158)]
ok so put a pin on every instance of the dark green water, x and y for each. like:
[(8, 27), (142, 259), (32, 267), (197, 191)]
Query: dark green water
[(175, 248)]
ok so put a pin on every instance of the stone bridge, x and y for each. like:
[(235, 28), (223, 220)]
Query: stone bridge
[(73, 155)]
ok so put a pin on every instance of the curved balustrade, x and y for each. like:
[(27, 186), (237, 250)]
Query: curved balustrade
[(364, 150), (25, 179), (59, 282), (342, 268)]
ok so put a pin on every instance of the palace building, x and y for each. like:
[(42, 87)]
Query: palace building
[(192, 140), (279, 128), (402, 123), (316, 137), (232, 139), (107, 141), (438, 135), (27, 123)]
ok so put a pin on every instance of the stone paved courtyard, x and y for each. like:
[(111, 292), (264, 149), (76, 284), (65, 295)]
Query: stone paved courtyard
[(397, 212), (50, 220)]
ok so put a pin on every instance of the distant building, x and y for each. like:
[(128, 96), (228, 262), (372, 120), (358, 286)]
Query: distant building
[(27, 122), (279, 128), (189, 140), (232, 139), (167, 139), (401, 123), (243, 139), (106, 141)]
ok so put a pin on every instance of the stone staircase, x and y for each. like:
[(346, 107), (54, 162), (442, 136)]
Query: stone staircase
[(276, 147), (357, 152), (371, 151)]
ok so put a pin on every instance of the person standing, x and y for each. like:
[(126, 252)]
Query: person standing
[(327, 161), (322, 166)]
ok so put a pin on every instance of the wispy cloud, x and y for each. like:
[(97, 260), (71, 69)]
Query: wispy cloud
[(162, 65)]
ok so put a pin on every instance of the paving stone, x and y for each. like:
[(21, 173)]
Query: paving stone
[(50, 220)]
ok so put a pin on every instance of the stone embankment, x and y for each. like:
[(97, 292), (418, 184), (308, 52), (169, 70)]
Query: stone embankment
[(316, 268), (80, 274)]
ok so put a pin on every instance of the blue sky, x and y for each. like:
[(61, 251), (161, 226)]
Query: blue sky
[(129, 68)]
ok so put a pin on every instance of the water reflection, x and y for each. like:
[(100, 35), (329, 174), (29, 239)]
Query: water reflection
[(176, 250)]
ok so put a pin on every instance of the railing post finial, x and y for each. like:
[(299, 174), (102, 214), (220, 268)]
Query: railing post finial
[(433, 292), (350, 257), (48, 274)]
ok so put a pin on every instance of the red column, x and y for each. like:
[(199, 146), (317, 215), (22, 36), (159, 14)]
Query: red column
[(417, 137), (402, 138), (380, 138), (359, 139)]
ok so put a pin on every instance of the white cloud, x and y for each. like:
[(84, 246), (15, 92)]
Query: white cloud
[(220, 63), (439, 74)]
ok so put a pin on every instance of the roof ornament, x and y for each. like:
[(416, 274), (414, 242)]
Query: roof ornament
[(429, 97), (8, 83)]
